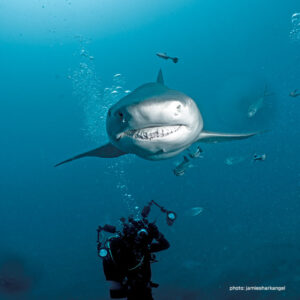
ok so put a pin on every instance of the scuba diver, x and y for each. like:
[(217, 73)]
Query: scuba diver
[(127, 255)]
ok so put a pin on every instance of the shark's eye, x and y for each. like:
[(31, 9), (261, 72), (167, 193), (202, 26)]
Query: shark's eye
[(121, 115)]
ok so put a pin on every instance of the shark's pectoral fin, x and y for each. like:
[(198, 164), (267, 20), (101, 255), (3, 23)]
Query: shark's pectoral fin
[(105, 151), (217, 137)]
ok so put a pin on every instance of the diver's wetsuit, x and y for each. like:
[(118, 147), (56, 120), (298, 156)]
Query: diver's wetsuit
[(140, 279), (132, 263)]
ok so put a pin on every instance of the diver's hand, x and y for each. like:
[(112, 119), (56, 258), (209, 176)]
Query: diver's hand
[(153, 230)]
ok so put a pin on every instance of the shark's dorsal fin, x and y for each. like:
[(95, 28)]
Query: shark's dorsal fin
[(160, 78)]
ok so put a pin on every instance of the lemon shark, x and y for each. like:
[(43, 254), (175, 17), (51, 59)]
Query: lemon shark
[(155, 123)]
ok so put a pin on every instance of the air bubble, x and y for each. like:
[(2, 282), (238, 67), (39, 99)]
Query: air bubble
[(295, 31)]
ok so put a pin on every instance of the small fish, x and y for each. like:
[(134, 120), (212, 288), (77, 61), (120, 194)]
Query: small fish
[(259, 104), (196, 154), (165, 56), (181, 168), (255, 107), (260, 157), (194, 211), (294, 93)]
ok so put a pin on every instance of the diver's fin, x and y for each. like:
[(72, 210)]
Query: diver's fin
[(217, 137), (160, 78), (105, 151)]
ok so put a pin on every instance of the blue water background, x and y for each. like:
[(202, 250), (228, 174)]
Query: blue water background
[(248, 232)]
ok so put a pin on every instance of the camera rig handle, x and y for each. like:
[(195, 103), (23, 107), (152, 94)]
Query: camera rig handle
[(107, 228)]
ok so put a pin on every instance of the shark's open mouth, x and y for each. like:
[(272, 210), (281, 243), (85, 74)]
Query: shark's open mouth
[(152, 132)]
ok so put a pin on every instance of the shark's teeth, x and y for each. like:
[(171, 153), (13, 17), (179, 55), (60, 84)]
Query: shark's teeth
[(152, 132)]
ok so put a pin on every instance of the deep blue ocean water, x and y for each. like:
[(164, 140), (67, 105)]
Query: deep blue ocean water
[(60, 62)]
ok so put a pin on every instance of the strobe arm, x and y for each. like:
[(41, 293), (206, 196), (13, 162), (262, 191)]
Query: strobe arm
[(161, 208), (171, 215), (107, 228)]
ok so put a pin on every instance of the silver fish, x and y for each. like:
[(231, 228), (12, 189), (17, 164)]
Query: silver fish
[(181, 168)]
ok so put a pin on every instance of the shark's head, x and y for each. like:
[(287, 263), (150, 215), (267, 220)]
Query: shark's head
[(154, 122)]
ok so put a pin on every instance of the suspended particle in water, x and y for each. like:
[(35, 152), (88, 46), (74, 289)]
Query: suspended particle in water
[(233, 160)]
